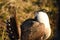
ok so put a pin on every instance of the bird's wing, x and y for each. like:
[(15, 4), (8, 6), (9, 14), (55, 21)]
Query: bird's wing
[(12, 29)]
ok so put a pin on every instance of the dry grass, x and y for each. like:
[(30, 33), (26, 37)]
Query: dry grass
[(25, 9)]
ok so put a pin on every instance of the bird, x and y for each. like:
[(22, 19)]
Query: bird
[(37, 28)]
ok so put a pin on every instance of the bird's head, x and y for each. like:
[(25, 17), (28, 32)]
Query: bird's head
[(42, 17)]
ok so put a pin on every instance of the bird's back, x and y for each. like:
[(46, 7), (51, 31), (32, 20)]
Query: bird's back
[(32, 30)]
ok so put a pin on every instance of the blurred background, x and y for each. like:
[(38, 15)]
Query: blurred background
[(25, 9)]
